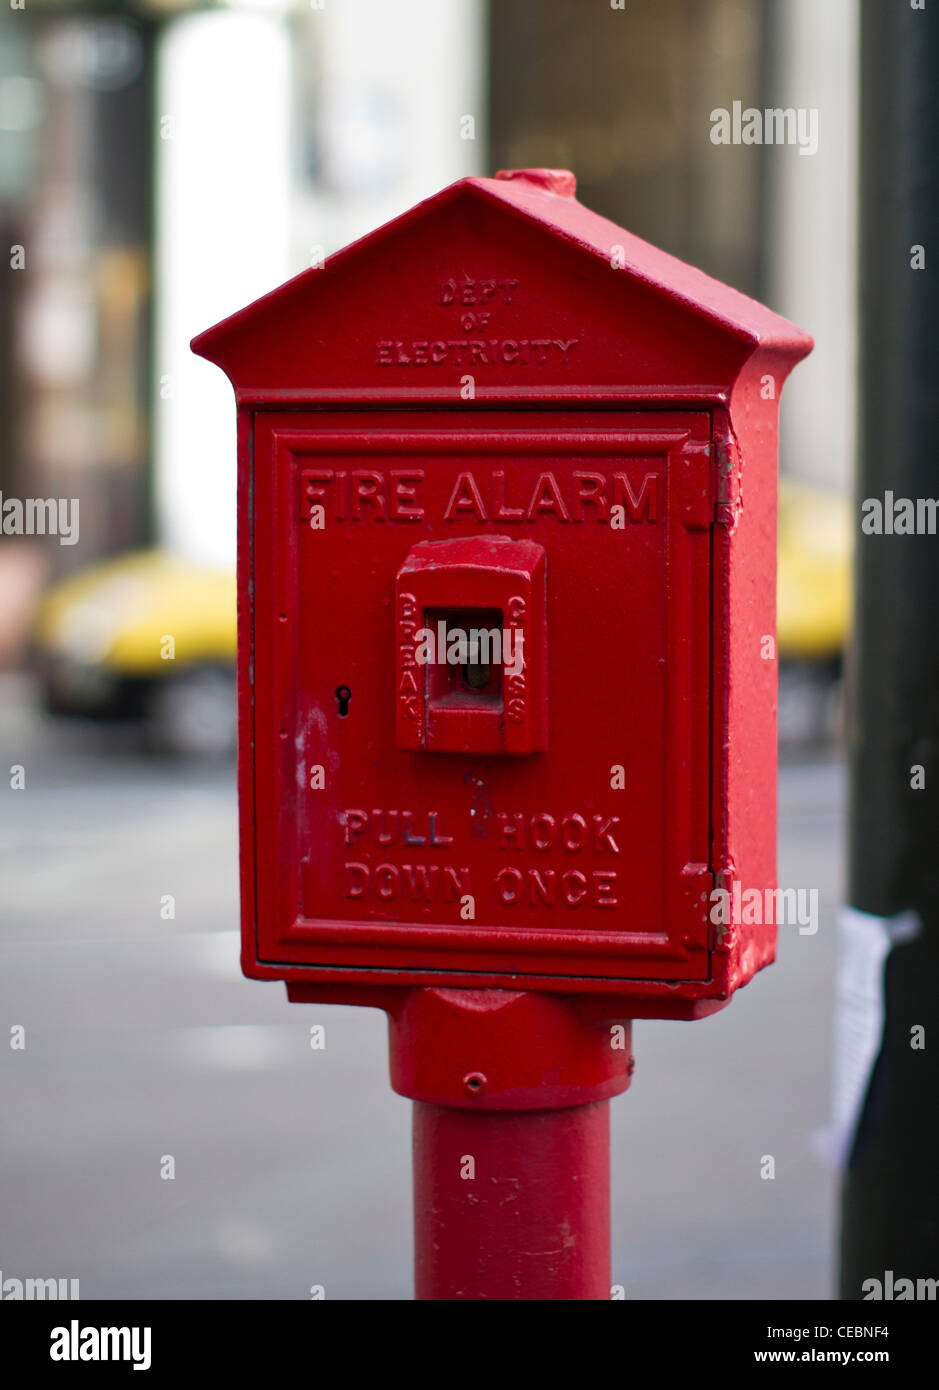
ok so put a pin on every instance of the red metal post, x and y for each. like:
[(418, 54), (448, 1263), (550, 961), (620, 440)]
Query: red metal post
[(512, 1204), (511, 1139)]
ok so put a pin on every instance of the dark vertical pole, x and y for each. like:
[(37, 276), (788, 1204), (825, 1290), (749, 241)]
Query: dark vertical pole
[(890, 1199)]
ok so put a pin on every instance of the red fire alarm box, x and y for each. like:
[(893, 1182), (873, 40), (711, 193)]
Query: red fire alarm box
[(507, 546)]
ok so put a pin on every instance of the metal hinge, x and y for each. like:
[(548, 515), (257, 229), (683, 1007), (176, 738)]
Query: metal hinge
[(727, 482)]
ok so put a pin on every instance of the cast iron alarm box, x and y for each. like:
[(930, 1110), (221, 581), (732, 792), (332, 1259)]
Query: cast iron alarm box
[(507, 550)]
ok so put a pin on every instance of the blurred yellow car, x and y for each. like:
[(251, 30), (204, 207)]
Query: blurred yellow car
[(813, 604), (814, 593), (152, 637), (148, 637)]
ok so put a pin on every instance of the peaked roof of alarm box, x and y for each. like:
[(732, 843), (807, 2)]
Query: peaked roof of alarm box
[(509, 278)]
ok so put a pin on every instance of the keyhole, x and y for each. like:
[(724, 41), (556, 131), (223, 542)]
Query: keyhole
[(343, 696)]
